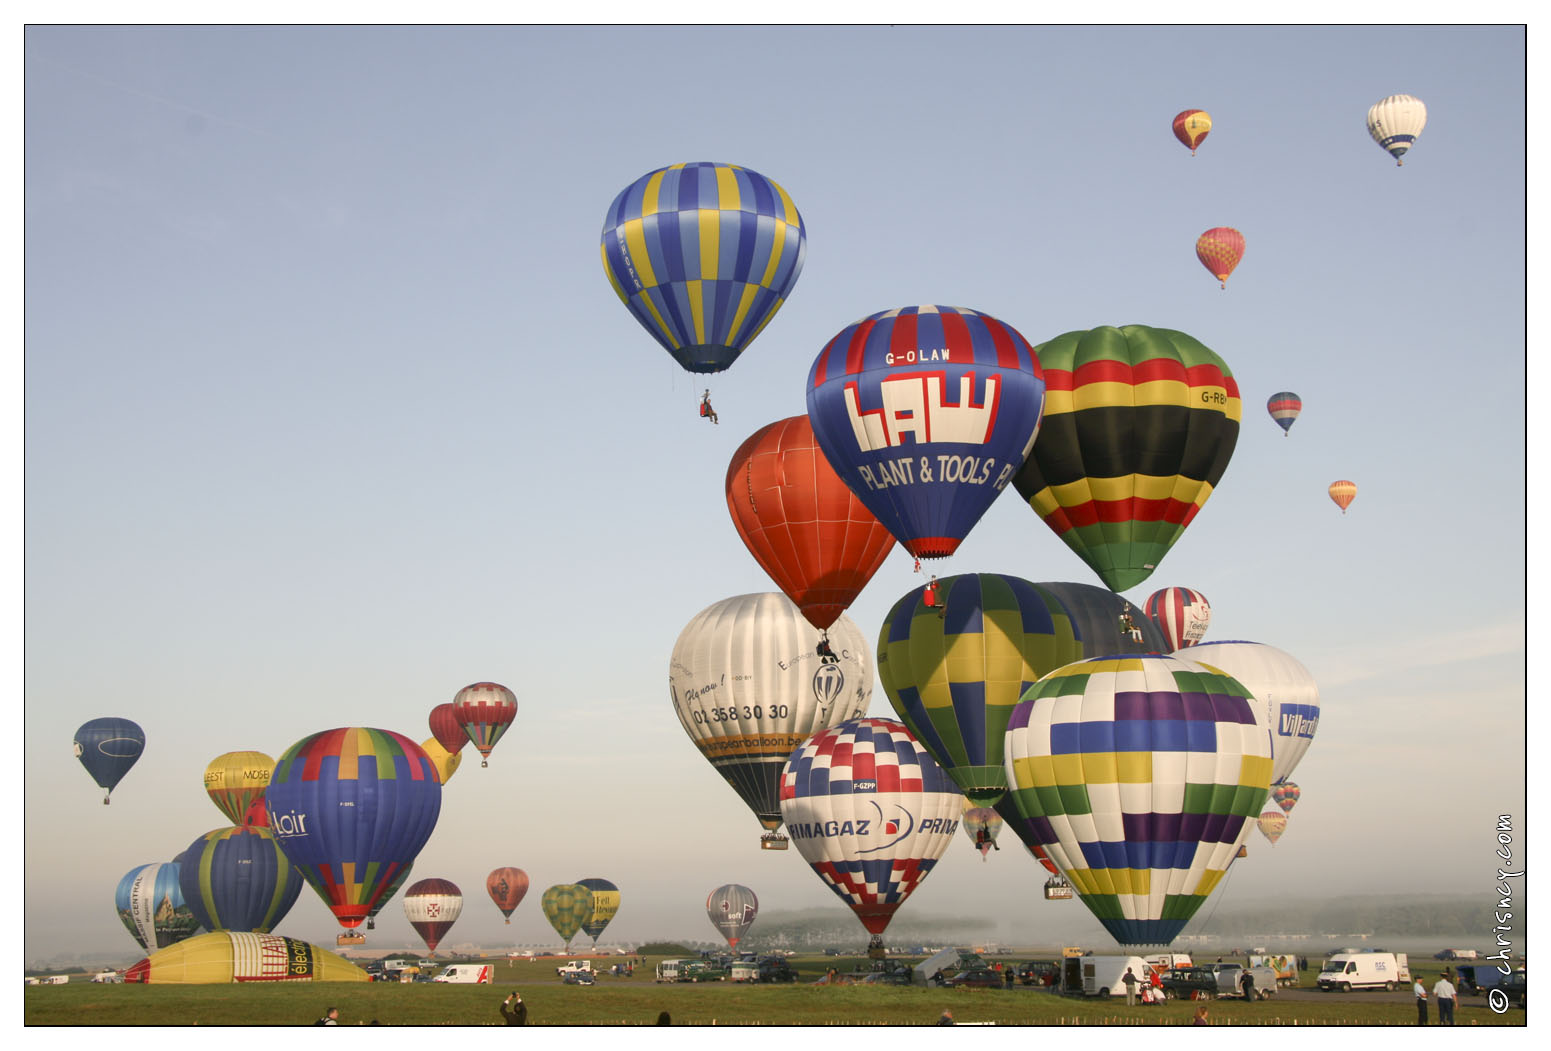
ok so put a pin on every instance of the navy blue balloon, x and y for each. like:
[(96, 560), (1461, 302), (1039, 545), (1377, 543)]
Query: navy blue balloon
[(108, 748), (238, 879)]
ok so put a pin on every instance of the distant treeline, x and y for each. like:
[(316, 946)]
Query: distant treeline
[(1395, 917)]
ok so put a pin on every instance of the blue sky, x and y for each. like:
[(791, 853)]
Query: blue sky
[(330, 411)]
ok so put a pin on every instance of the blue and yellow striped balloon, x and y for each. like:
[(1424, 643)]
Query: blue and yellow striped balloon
[(703, 254), (1141, 777)]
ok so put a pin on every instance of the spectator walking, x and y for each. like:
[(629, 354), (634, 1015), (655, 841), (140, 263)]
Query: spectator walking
[(1443, 992)]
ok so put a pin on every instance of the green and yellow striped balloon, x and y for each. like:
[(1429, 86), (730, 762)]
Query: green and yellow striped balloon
[(567, 906)]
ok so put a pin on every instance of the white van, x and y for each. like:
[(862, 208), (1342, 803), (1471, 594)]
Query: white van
[(670, 970), (1103, 976), (1364, 970), (744, 971), (465, 974)]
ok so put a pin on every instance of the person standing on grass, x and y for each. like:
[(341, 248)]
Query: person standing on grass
[(1443, 992), (1421, 1001), (1130, 982), (514, 1010)]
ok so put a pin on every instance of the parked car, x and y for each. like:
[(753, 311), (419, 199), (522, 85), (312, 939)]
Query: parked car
[(977, 978), (1036, 973), (1190, 983), (111, 977), (776, 970), (578, 978), (1514, 987)]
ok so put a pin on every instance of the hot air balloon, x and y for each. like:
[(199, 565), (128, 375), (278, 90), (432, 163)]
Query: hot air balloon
[(150, 904), (818, 542), (748, 686), (732, 909), (432, 906), (567, 906), (1220, 250), (1191, 126), (238, 879), (1284, 407), (485, 710), (605, 903), (1395, 122), (1139, 426), (108, 748), (704, 255), (955, 670), (506, 887), (1181, 614), (1272, 824), (236, 780), (446, 728), (982, 825), (223, 957), (1286, 695), (401, 878), (351, 807), (1105, 623), (1343, 493), (925, 412), (871, 812), (1284, 795), (1141, 777), (257, 814), (446, 762)]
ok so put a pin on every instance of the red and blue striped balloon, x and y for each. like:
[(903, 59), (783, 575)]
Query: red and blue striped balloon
[(1181, 614), (1284, 407)]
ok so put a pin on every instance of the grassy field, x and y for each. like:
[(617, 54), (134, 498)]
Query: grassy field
[(637, 1001)]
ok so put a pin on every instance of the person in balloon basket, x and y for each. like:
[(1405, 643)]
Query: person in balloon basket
[(826, 652), (514, 1010), (983, 838), (705, 407)]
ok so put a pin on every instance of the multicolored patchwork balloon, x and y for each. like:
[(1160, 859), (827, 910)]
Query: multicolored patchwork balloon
[(1220, 249), (351, 808), (1139, 426), (1285, 695), (1140, 777), (238, 879), (485, 710), (1284, 407), (1284, 795), (1191, 126), (926, 412), (703, 255), (1181, 614), (804, 527), (954, 671), (566, 906), (871, 812)]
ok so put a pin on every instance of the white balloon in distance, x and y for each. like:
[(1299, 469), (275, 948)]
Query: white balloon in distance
[(1287, 694), (749, 686)]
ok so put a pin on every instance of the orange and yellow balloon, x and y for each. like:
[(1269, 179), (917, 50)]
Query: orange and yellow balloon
[(1343, 493), (236, 781)]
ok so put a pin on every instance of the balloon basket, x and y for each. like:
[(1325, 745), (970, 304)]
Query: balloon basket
[(1056, 889), (772, 841)]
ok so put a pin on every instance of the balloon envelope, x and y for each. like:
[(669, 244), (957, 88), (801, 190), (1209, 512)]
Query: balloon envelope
[(955, 670), (1395, 122), (1284, 407), (238, 879), (1181, 614), (1284, 795), (871, 812), (108, 747), (1191, 126), (982, 825), (605, 903), (351, 807), (1343, 493), (507, 886), (1105, 623), (810, 533), (1285, 693), (485, 710), (1220, 249), (236, 780), (432, 906), (703, 255), (446, 728), (150, 904), (748, 687), (1139, 426), (446, 762), (1272, 824), (732, 909), (230, 956), (566, 906), (925, 412), (1141, 777)]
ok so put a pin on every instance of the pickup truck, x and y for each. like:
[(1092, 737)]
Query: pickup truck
[(573, 967)]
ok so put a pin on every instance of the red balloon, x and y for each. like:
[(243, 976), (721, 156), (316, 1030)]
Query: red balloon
[(257, 814), (447, 730), (1220, 250), (506, 887), (802, 524)]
